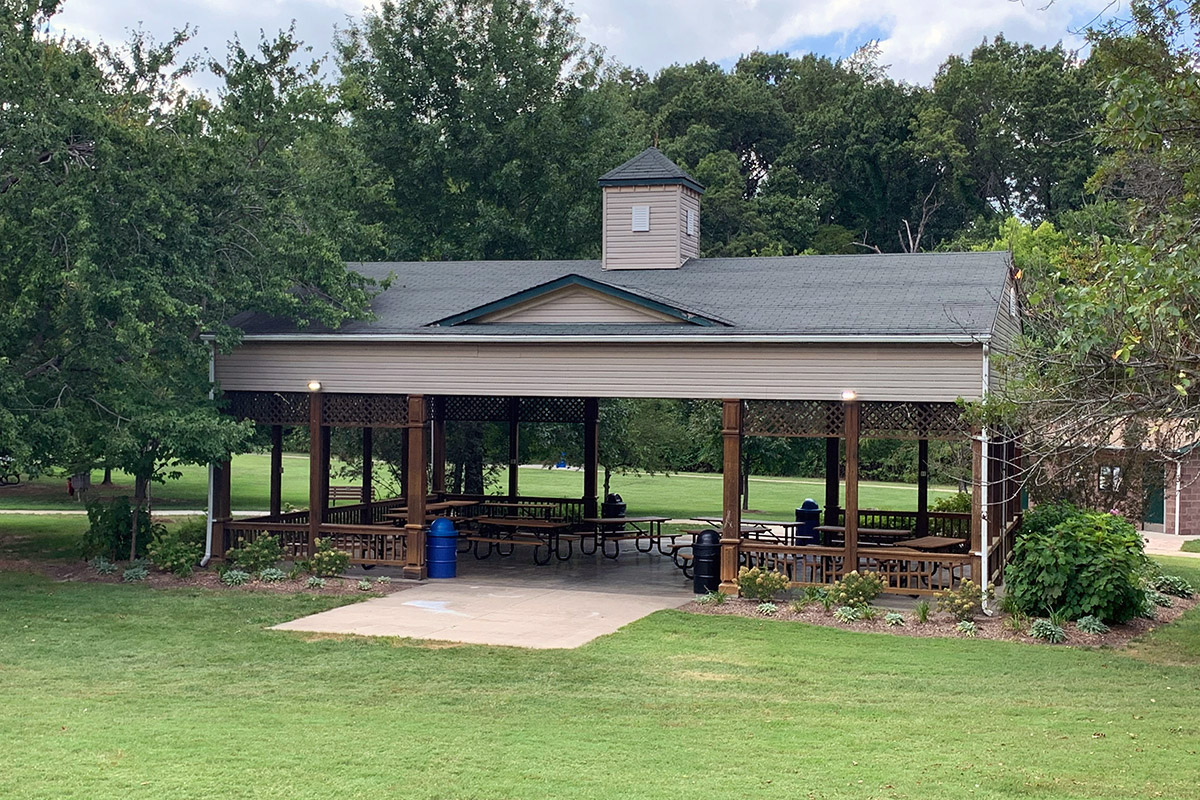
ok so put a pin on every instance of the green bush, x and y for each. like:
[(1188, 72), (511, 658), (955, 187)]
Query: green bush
[(857, 589), (712, 599), (967, 628), (760, 584), (1090, 625), (102, 565), (177, 550), (767, 609), (327, 561), (135, 573), (1047, 631), (958, 503), (964, 602), (1087, 564), (1043, 518), (847, 614), (894, 619), (315, 583), (272, 575), (1172, 585), (255, 556), (110, 524), (235, 577)]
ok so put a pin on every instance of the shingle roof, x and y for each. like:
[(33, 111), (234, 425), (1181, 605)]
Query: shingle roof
[(939, 295), (649, 168)]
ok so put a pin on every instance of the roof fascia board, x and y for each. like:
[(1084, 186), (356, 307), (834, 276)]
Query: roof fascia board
[(652, 182), (958, 339), (544, 289)]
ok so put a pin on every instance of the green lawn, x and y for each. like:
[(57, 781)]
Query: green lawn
[(680, 495), (115, 691), (1191, 546)]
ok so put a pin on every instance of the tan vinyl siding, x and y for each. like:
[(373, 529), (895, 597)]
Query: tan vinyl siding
[(687, 370), (573, 305), (1004, 333), (657, 248), (689, 246)]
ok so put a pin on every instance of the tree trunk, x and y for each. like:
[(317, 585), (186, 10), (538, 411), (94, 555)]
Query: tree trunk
[(607, 482), (107, 477), (139, 499)]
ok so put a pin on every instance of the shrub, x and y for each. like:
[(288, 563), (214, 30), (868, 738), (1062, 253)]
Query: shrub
[(177, 550), (847, 614), (1088, 564), (893, 619), (1090, 624), (272, 575), (712, 599), (1172, 585), (383, 579), (235, 577), (1047, 631), (857, 588), (255, 556), (102, 565), (964, 602), (1045, 517), (921, 610), (767, 609), (967, 628), (327, 561), (364, 585), (110, 525), (958, 503), (315, 583), (135, 573), (760, 584), (1159, 599)]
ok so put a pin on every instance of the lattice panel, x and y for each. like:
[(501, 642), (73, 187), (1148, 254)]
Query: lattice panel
[(269, 408), (496, 409), (795, 418), (365, 410), (476, 409), (551, 409), (912, 421)]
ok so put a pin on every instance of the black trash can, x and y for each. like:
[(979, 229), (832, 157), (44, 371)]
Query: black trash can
[(809, 517), (706, 562), (613, 506)]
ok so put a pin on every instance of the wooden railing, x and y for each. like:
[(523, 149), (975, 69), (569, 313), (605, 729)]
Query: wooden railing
[(1001, 549), (909, 572), (941, 523), (569, 509)]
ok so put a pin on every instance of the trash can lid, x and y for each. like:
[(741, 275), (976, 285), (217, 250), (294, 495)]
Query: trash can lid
[(442, 526), (809, 504)]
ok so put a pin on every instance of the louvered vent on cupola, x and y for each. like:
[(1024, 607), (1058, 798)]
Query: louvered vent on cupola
[(651, 214)]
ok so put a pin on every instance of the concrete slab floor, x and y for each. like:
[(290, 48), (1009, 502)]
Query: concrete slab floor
[(511, 601)]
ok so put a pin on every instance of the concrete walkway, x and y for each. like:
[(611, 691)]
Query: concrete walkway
[(1167, 544), (493, 612)]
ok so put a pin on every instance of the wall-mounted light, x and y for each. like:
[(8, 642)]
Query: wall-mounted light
[(314, 386), (849, 394)]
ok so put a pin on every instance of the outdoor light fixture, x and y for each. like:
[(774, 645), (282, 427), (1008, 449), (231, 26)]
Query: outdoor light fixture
[(314, 386), (849, 394)]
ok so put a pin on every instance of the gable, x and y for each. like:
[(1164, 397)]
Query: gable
[(576, 304)]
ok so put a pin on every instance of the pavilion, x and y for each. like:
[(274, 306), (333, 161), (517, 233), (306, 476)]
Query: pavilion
[(835, 347)]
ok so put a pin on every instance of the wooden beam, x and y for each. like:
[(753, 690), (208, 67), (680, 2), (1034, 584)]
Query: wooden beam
[(438, 433), (591, 454), (853, 426), (276, 470), (977, 478), (731, 510), (923, 487), (368, 469), (222, 506), (414, 565), (514, 446), (833, 453), (326, 441), (315, 459)]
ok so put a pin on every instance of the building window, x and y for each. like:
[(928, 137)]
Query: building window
[(1110, 478), (689, 222), (641, 218)]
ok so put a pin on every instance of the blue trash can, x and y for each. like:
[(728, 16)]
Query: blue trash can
[(441, 549), (809, 517)]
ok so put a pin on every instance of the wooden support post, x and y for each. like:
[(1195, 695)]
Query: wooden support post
[(853, 426), (923, 487), (315, 459), (514, 446), (326, 441), (414, 563), (977, 509), (833, 448), (438, 433), (368, 469), (591, 454), (222, 507), (276, 470), (404, 450), (997, 510), (731, 511)]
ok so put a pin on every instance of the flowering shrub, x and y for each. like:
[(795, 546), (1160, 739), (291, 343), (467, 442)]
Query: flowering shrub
[(327, 560), (964, 602), (857, 589), (760, 584), (255, 556)]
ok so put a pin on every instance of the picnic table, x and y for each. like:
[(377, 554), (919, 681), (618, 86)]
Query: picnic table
[(499, 533), (518, 509), (932, 543), (885, 536), (639, 529), (761, 528), (433, 509)]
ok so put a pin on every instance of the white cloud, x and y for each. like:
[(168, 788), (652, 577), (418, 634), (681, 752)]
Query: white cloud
[(915, 37)]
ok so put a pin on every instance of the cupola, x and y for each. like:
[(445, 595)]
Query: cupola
[(651, 213)]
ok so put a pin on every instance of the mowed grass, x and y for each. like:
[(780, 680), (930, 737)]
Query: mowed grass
[(1191, 546), (680, 495), (118, 691)]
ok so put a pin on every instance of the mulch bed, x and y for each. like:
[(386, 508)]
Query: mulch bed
[(943, 625), (202, 579)]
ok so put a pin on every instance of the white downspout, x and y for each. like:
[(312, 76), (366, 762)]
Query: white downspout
[(208, 532), (983, 481), (1178, 491)]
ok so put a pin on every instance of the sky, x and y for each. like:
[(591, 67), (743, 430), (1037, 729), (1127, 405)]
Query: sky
[(915, 36)]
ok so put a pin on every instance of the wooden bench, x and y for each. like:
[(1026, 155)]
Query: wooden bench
[(347, 493)]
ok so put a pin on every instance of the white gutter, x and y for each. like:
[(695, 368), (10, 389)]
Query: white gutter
[(737, 338), (983, 481), (208, 528), (1178, 492)]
